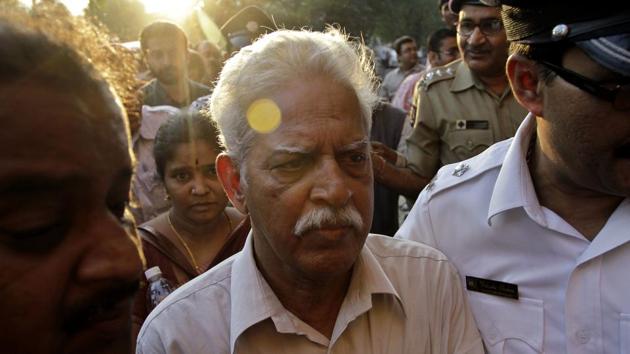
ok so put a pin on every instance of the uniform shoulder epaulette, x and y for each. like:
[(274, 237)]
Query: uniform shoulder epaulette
[(455, 174), (436, 75)]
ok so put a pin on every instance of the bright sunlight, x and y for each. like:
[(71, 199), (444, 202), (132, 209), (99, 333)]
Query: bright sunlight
[(173, 9)]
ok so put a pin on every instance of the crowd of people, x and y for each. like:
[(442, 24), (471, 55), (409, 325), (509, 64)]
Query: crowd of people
[(263, 180)]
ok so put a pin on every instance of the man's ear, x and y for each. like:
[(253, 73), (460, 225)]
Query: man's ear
[(230, 176), (525, 81)]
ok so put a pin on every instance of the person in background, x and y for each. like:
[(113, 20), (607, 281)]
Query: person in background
[(408, 63), (213, 59), (442, 45), (199, 230), (196, 67), (538, 225), (389, 129), (69, 256), (165, 49), (309, 278), (467, 105)]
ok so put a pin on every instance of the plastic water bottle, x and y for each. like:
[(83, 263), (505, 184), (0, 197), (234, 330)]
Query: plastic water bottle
[(159, 288)]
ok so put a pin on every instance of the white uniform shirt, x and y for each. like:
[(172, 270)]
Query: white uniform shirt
[(403, 298), (574, 294)]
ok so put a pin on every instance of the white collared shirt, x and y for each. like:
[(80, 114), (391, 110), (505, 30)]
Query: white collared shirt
[(403, 298), (574, 294)]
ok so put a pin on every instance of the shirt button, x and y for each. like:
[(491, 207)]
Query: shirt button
[(469, 143), (582, 336)]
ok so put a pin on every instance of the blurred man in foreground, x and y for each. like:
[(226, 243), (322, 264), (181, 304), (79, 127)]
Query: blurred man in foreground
[(69, 260)]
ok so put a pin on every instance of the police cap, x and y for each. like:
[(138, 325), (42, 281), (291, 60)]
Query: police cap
[(246, 25), (602, 30)]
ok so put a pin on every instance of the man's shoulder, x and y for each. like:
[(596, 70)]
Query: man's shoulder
[(451, 178), (388, 247), (392, 74), (438, 77)]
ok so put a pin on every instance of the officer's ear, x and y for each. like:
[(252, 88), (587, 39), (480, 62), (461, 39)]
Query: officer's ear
[(525, 81), (229, 174)]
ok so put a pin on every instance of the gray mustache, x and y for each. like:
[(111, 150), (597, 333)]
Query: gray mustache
[(328, 216)]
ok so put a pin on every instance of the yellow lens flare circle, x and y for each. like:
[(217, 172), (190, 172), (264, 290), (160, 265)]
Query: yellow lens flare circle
[(264, 115)]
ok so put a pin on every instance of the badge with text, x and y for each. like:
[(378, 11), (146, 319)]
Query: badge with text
[(462, 124), (492, 287)]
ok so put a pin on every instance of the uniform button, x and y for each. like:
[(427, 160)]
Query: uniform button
[(582, 336)]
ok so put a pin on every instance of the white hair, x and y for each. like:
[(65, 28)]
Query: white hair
[(276, 59)]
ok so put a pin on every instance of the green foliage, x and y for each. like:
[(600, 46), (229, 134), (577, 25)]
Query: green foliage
[(372, 19)]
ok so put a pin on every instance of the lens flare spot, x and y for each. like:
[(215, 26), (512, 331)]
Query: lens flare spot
[(264, 115)]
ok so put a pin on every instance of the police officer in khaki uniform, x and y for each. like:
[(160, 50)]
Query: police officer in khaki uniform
[(466, 106)]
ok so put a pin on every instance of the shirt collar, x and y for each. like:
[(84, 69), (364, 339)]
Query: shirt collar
[(612, 235), (253, 300), (369, 278), (513, 187), (464, 79)]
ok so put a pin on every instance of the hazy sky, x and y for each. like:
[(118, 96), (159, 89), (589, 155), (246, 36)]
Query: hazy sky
[(172, 8)]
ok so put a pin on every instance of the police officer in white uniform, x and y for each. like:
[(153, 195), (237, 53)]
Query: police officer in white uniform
[(539, 225)]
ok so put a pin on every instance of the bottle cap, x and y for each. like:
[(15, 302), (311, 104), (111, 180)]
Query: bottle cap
[(152, 272)]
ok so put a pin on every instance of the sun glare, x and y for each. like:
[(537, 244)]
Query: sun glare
[(173, 9)]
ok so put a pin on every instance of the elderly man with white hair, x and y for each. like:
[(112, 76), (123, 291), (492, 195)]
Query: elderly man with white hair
[(294, 109)]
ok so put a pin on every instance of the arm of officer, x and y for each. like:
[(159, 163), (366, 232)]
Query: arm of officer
[(391, 171), (423, 146)]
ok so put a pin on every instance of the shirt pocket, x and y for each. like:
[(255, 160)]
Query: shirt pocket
[(624, 333), (509, 326), (466, 143)]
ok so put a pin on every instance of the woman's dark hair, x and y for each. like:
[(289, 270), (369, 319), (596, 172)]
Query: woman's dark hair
[(183, 128)]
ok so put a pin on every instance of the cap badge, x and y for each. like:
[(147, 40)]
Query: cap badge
[(559, 32)]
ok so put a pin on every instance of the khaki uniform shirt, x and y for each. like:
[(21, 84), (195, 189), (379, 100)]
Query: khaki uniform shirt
[(457, 118), (403, 298)]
